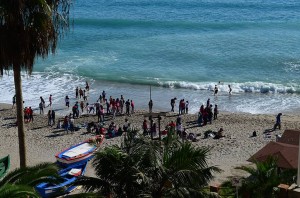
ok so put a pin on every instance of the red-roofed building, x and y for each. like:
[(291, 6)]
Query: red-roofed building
[(286, 150)]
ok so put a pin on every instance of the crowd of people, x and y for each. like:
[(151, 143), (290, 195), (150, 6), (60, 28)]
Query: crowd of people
[(108, 108)]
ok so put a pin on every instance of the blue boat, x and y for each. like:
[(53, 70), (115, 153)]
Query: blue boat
[(69, 176), (79, 153)]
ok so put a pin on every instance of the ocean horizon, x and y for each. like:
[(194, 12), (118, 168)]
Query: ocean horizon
[(178, 48)]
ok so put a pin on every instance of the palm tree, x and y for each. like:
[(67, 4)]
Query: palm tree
[(145, 168), (21, 182), (28, 29), (264, 177)]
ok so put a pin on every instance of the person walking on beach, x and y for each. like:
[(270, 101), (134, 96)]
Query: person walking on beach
[(53, 117), (173, 104), (13, 101), (278, 122), (230, 89), (150, 104)]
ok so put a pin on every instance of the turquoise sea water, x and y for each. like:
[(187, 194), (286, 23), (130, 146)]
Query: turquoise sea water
[(182, 48)]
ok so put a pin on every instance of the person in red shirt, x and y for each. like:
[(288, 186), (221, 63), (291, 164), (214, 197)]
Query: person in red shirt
[(145, 127), (30, 113)]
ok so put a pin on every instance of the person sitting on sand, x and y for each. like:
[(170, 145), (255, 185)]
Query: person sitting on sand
[(179, 129), (192, 137), (219, 134), (126, 125), (111, 129)]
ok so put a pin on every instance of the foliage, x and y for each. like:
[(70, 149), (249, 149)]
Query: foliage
[(145, 168), (264, 177), (21, 182), (29, 29)]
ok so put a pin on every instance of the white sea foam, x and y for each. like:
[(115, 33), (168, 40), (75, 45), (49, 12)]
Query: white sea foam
[(61, 84)]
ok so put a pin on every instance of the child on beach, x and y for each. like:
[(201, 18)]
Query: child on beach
[(50, 100)]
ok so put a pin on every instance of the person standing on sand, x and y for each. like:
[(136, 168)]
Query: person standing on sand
[(49, 118), (81, 106), (278, 122), (216, 111), (127, 104), (53, 117), (230, 90), (187, 107), (50, 100), (173, 104), (30, 113), (41, 106), (150, 104)]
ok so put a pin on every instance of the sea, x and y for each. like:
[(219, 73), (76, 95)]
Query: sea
[(161, 49)]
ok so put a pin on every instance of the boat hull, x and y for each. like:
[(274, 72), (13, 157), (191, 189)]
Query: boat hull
[(47, 190), (79, 153)]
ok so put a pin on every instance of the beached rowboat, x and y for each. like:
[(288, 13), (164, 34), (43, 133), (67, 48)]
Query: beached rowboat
[(4, 166), (79, 153), (69, 176)]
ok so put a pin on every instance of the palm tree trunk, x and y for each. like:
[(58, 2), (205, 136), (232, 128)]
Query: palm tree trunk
[(20, 115)]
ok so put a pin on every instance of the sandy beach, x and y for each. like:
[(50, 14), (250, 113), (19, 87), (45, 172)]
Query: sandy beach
[(43, 141)]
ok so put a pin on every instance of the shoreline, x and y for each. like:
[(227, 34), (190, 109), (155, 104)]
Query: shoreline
[(43, 141)]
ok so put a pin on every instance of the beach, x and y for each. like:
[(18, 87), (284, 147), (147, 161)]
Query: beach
[(43, 141)]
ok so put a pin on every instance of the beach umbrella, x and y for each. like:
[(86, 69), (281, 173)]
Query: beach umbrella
[(29, 29)]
